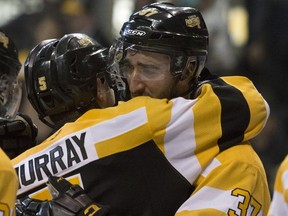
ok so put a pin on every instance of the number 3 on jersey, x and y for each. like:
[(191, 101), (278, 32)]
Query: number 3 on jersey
[(243, 206)]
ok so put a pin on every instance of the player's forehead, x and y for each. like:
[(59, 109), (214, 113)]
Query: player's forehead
[(143, 55)]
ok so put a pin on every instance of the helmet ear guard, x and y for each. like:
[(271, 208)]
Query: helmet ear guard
[(36, 66)]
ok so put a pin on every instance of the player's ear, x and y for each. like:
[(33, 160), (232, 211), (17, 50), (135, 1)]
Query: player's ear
[(105, 95), (189, 70), (100, 92)]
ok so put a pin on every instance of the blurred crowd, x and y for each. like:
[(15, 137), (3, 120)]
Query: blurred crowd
[(247, 38)]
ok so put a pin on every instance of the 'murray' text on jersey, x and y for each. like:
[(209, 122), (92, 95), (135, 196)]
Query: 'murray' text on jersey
[(68, 153)]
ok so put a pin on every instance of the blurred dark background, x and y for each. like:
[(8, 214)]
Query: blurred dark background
[(247, 37)]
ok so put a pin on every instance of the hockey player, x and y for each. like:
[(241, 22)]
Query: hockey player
[(17, 132)]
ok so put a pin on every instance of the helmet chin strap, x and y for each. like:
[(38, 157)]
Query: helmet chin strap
[(190, 92)]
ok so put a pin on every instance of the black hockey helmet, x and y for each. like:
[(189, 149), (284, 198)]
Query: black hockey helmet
[(10, 88), (9, 54), (179, 32), (61, 77)]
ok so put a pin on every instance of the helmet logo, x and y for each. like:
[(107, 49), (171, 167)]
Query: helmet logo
[(193, 21), (4, 40), (135, 32), (179, 61), (148, 12), (84, 42)]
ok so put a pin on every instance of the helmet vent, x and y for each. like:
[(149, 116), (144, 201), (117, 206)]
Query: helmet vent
[(157, 36), (142, 21)]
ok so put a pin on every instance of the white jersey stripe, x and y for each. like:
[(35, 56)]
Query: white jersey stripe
[(285, 180), (214, 164), (278, 206), (180, 140), (110, 128)]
